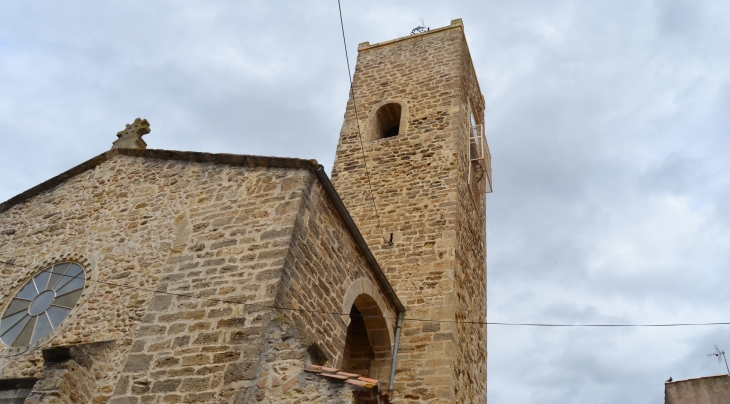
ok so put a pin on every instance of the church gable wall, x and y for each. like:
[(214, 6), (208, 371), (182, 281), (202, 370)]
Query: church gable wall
[(212, 231)]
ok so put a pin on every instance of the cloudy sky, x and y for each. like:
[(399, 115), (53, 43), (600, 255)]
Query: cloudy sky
[(607, 121)]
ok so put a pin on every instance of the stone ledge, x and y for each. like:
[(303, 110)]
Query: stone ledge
[(697, 378), (454, 24)]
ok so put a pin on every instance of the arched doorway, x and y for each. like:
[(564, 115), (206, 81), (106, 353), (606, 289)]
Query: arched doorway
[(367, 344), (358, 350)]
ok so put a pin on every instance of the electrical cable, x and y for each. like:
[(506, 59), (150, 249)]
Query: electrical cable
[(336, 313), (357, 122)]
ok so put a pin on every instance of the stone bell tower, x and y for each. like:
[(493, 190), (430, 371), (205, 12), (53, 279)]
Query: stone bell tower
[(414, 176)]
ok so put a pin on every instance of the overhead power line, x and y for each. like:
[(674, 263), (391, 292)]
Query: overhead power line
[(337, 313), (608, 325), (357, 122)]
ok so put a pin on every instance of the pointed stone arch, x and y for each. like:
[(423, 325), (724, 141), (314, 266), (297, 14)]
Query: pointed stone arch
[(368, 344)]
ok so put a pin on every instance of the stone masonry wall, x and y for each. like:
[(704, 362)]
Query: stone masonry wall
[(197, 350), (282, 379), (115, 222), (323, 265), (207, 230), (76, 378), (437, 260)]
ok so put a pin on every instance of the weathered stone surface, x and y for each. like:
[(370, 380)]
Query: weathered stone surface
[(240, 371), (137, 363), (81, 376), (166, 385)]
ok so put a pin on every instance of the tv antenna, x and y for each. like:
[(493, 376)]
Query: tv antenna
[(720, 356), (420, 28)]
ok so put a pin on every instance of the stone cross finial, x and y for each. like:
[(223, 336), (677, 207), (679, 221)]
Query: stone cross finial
[(131, 136)]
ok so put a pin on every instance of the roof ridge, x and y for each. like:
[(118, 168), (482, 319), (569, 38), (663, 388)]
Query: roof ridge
[(244, 160)]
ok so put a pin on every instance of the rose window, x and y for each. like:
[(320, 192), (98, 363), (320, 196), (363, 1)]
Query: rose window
[(42, 304)]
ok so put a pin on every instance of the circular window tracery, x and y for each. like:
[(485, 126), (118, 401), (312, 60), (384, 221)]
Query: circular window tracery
[(42, 304)]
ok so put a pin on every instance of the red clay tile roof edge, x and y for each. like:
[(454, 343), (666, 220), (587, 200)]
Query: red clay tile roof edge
[(350, 378)]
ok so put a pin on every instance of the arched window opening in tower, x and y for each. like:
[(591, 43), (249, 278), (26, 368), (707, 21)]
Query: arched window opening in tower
[(388, 120)]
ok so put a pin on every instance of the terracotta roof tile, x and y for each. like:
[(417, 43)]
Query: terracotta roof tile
[(360, 383), (352, 375), (334, 376), (372, 386), (365, 379), (313, 369)]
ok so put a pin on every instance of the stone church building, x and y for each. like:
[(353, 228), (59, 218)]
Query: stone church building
[(158, 276)]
